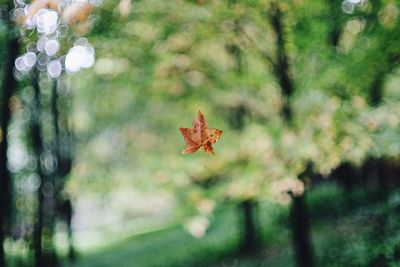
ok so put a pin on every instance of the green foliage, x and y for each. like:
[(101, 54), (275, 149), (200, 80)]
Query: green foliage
[(160, 64), (165, 61)]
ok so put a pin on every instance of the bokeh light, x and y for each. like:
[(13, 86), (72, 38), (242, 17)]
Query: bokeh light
[(54, 69), (52, 47), (79, 57), (51, 19), (41, 43), (25, 62), (348, 7), (46, 21)]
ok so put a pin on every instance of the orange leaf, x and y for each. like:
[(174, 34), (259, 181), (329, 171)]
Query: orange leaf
[(199, 136)]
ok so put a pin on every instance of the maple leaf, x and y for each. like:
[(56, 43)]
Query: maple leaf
[(200, 136)]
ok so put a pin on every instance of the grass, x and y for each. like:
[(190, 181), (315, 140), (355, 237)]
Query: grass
[(358, 231), (175, 247), (169, 247)]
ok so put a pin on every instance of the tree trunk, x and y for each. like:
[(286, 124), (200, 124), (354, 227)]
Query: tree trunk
[(236, 119), (301, 231), (249, 236), (376, 90), (56, 128), (388, 66), (347, 176), (50, 214), (281, 63), (337, 24), (63, 157), (369, 173), (299, 213), (7, 89), (2, 254), (43, 240), (37, 144)]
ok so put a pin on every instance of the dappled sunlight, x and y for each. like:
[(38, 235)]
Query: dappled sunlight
[(127, 210), (197, 226)]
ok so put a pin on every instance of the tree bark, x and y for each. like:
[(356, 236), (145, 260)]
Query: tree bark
[(301, 231), (37, 144), (376, 88), (281, 63), (7, 89), (300, 217), (49, 253), (337, 24), (250, 242), (44, 255), (46, 204), (63, 158), (236, 120)]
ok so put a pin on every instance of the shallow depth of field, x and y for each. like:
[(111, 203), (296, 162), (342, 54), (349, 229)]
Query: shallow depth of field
[(93, 94)]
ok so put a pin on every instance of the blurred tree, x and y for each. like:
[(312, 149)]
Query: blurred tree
[(235, 116), (299, 213), (50, 136), (7, 90), (281, 62), (337, 23), (45, 196)]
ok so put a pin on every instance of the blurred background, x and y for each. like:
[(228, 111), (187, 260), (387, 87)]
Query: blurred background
[(306, 172)]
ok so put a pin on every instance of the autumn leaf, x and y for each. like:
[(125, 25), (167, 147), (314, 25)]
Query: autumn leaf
[(200, 136)]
